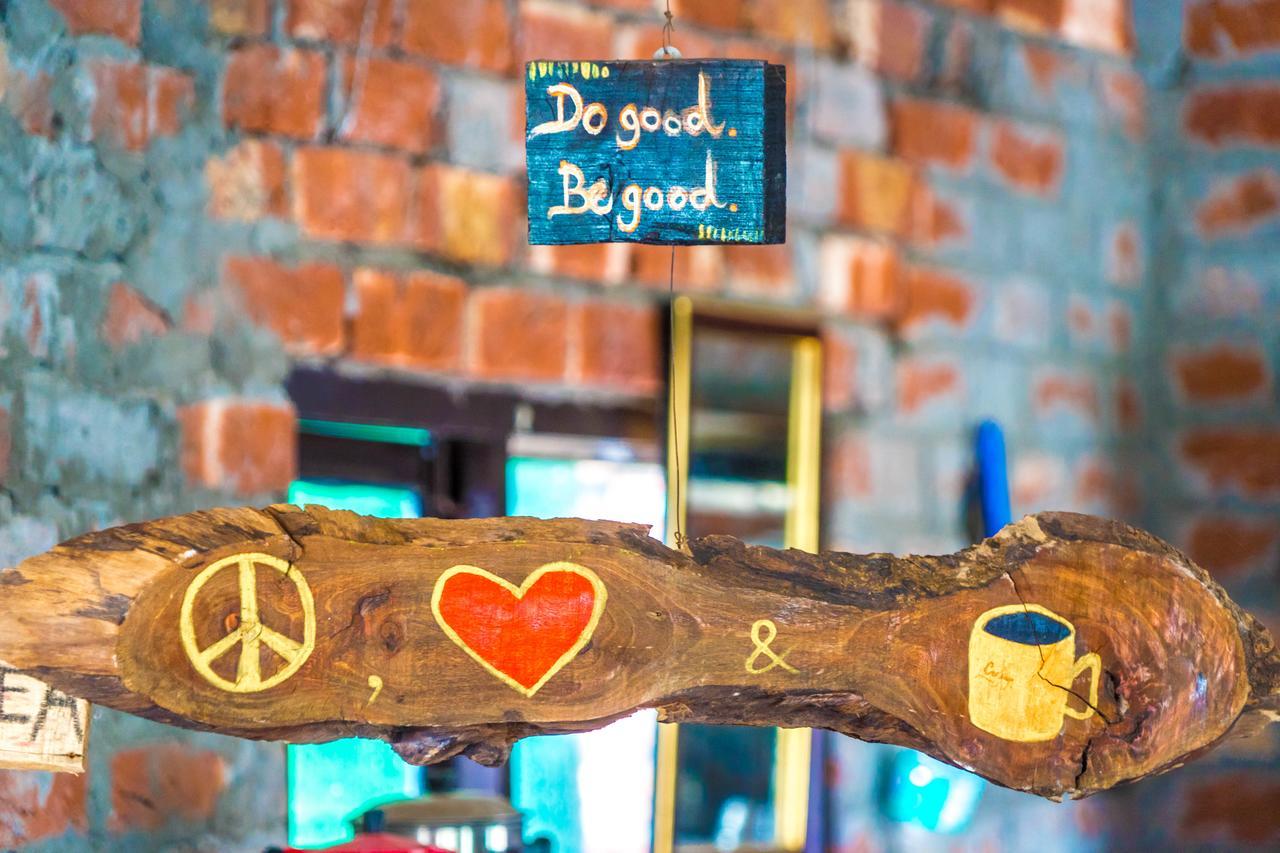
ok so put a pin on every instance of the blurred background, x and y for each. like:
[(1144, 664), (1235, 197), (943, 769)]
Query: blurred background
[(257, 249)]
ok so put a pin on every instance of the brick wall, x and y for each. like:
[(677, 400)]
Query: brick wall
[(1051, 212)]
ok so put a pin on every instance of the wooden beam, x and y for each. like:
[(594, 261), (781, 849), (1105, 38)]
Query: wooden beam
[(1063, 656)]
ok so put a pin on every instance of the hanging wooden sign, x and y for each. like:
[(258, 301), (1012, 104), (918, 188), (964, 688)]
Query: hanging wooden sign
[(672, 151), (41, 728), (1063, 656)]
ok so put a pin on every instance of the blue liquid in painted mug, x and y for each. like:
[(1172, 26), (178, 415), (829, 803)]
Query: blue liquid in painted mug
[(1028, 627)]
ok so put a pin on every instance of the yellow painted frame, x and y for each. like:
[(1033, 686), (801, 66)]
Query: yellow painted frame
[(801, 530)]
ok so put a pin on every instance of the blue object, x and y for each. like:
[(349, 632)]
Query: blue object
[(993, 478), (1028, 627), (673, 152), (921, 790)]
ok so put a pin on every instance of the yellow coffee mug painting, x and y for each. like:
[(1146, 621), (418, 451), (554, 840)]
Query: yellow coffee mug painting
[(1022, 668)]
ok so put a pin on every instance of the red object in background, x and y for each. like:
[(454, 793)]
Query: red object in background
[(376, 842)]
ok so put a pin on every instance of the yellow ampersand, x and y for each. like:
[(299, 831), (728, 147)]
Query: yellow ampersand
[(250, 634), (762, 634)]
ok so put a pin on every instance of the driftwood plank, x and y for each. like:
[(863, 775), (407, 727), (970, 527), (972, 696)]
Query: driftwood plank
[(1063, 656)]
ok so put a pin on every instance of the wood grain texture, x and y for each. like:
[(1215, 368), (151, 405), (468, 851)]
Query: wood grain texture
[(879, 647), (672, 152)]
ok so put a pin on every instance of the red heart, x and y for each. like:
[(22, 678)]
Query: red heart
[(524, 634)]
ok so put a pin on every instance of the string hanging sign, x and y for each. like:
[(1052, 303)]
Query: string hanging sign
[(672, 152)]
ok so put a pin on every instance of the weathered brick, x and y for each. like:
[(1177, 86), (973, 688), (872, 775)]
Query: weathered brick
[(303, 304), (1059, 391), (35, 806), (1098, 24), (248, 447), (1037, 481), (476, 33), (342, 21), (1230, 545), (956, 63), (1022, 314), (413, 320), (1124, 96), (979, 7), (839, 369), (721, 14), (130, 317), (486, 123), (1128, 406), (616, 346), (890, 37), (875, 192), (1243, 460), (934, 132), (466, 215), (934, 219), (339, 194), (248, 182), (845, 105), (1028, 158), (640, 40), (119, 18), (880, 471), (29, 101), (517, 334), (1119, 323), (549, 30), (172, 96), (697, 268), (241, 17), (934, 297), (602, 263), (1238, 204), (860, 277), (389, 102), (1214, 29), (799, 22), (6, 443), (270, 90), (1124, 256), (1034, 16), (1223, 372), (120, 103), (760, 270), (153, 784), (929, 386), (1234, 114), (1233, 808)]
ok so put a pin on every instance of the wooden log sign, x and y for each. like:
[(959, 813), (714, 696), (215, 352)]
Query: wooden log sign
[(671, 151), (1062, 656)]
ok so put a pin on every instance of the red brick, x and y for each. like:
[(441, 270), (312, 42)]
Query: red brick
[(467, 216), (241, 17), (119, 18), (697, 268), (120, 103), (1125, 97), (616, 346), (247, 447), (34, 806), (1222, 373), (860, 277), (130, 317), (799, 22), (721, 14), (760, 270), (475, 33), (1082, 324), (1244, 114), (1128, 407), (1237, 204), (1242, 459), (411, 321), (1230, 545), (1237, 807), (957, 53), (392, 103), (1124, 255), (269, 90), (518, 335), (552, 31), (247, 182), (1057, 391), (934, 132), (599, 263), (890, 37), (925, 381), (1045, 65), (339, 194), (153, 784), (839, 369), (1027, 157), (342, 21), (173, 94), (303, 304), (1213, 29), (1098, 24), (875, 192), (935, 296), (933, 219)]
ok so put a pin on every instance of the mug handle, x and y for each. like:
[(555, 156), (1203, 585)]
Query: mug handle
[(1093, 662)]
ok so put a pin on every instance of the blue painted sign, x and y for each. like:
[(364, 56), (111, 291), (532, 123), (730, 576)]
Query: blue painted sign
[(671, 151)]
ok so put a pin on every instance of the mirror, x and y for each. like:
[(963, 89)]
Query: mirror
[(743, 457)]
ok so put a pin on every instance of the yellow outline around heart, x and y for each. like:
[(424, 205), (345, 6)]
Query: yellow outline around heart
[(519, 591)]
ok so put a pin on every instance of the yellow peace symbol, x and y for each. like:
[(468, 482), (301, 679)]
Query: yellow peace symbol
[(250, 634)]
